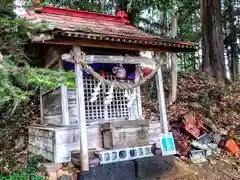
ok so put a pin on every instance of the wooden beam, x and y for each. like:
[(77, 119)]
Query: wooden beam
[(115, 45), (52, 56), (81, 113), (118, 59), (90, 59), (161, 99), (55, 66)]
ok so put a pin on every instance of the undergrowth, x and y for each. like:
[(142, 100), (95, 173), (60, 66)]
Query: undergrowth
[(26, 174)]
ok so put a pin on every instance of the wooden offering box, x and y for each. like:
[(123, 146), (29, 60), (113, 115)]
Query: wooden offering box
[(56, 143), (125, 134)]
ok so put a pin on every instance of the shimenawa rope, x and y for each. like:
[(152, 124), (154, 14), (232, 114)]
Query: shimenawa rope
[(118, 85)]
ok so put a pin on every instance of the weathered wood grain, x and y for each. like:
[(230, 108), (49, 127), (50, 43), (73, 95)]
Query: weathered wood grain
[(90, 59), (125, 134), (81, 113), (161, 99)]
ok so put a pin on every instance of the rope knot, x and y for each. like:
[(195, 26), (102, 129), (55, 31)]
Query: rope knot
[(79, 58)]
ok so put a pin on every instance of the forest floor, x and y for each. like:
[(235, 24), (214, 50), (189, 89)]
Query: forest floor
[(214, 170), (214, 104)]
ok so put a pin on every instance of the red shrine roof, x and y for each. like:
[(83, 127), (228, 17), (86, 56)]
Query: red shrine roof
[(83, 25)]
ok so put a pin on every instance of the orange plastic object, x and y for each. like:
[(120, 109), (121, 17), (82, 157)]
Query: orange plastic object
[(232, 146)]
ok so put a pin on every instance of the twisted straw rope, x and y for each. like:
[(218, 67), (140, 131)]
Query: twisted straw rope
[(80, 59)]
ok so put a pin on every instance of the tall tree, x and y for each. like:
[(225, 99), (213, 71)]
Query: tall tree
[(230, 33), (173, 94), (18, 80), (213, 45)]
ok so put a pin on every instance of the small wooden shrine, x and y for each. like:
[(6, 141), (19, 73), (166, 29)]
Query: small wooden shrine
[(103, 113)]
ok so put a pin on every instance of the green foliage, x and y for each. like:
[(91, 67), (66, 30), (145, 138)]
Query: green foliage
[(28, 173), (47, 78), (83, 4), (6, 8), (19, 83), (12, 34), (98, 6), (22, 176), (18, 80), (9, 92)]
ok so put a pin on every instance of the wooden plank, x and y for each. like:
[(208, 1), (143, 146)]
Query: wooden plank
[(52, 103), (90, 59), (105, 105), (161, 99), (138, 89), (125, 134), (116, 45), (50, 90), (51, 58), (124, 124), (41, 105), (118, 59), (53, 120), (56, 66), (81, 113), (64, 99)]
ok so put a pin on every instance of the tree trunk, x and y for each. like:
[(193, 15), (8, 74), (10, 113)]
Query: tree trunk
[(121, 4), (233, 41), (102, 4), (164, 33), (213, 46), (173, 94), (206, 66)]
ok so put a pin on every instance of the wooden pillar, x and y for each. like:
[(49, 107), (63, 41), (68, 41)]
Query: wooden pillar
[(41, 105), (139, 104), (64, 99), (161, 99), (81, 113)]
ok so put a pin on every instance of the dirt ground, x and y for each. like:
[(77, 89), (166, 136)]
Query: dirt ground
[(221, 169)]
